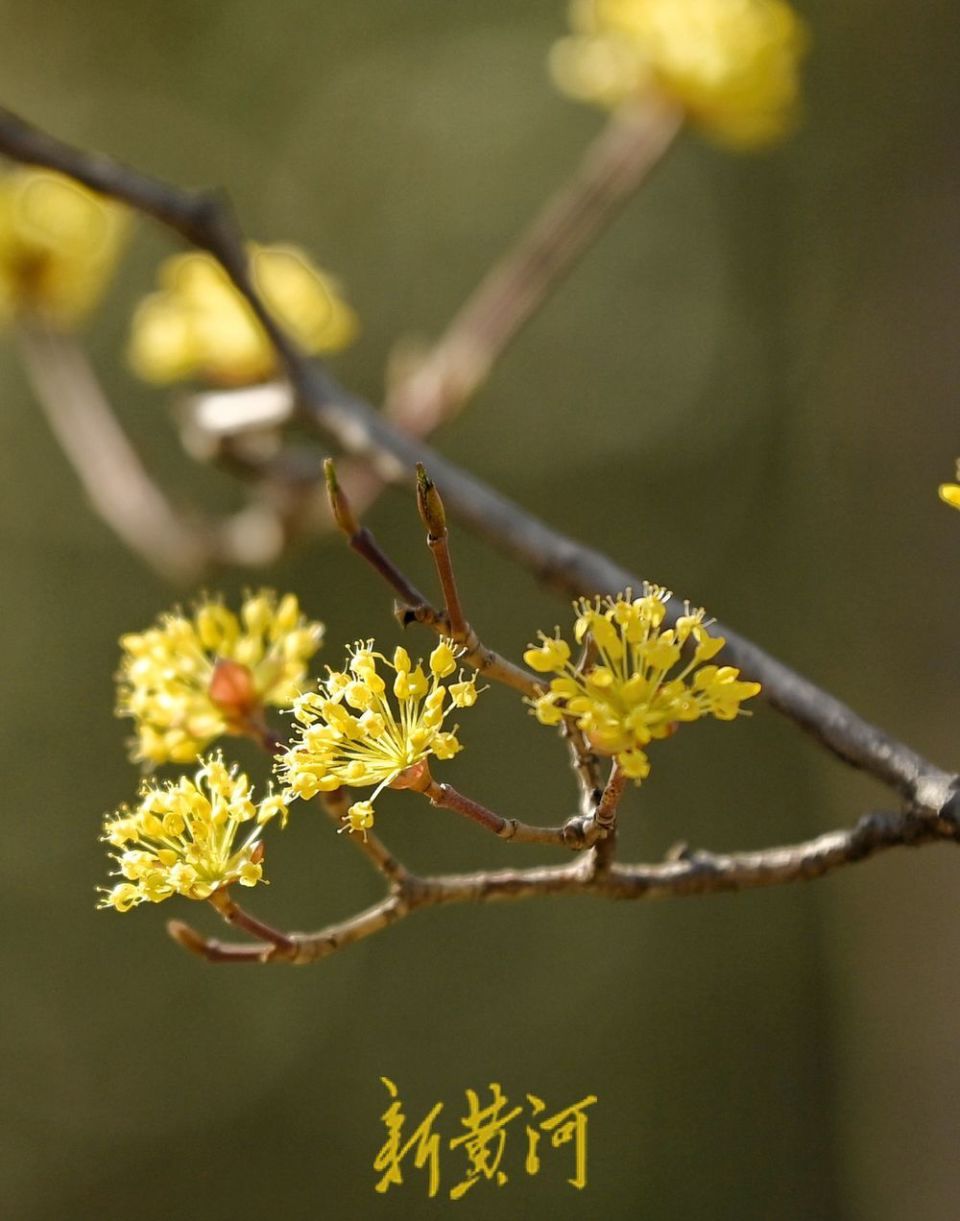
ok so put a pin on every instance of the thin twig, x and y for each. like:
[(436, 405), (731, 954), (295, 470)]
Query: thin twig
[(438, 540), (586, 766), (412, 605), (234, 914), (605, 819), (692, 873), (572, 834), (606, 812)]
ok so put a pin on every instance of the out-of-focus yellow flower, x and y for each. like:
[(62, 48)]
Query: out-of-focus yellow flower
[(950, 492), (199, 326), (632, 689), (731, 64), (180, 839), (352, 735), (59, 244), (188, 680)]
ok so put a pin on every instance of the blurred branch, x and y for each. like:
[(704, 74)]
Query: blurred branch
[(683, 873), (615, 164), (179, 545), (105, 461)]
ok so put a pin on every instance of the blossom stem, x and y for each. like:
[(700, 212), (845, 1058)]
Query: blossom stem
[(584, 764), (235, 915), (605, 819), (264, 735), (217, 951), (570, 835)]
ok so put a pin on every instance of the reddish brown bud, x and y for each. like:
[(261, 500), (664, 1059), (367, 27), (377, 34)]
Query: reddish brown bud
[(416, 777), (231, 689)]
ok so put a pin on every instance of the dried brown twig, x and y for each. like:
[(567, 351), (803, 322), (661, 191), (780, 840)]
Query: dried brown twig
[(928, 792)]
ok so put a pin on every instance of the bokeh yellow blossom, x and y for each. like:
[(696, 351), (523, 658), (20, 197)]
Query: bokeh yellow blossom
[(731, 64), (199, 326), (181, 838), (636, 685), (950, 492), (59, 244), (352, 734), (189, 679)]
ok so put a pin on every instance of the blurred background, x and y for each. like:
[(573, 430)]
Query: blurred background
[(745, 391)]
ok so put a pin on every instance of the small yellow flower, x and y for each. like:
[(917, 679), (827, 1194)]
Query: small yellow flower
[(352, 734), (731, 64), (358, 820), (59, 244), (633, 689), (950, 492), (180, 839), (188, 680), (199, 326)]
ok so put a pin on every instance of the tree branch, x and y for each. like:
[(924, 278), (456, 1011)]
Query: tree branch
[(106, 463), (615, 164), (684, 874), (206, 220)]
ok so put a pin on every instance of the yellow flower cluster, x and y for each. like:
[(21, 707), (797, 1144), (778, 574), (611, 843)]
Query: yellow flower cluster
[(199, 326), (950, 492), (631, 691), (351, 734), (188, 680), (58, 246), (731, 64), (180, 839)]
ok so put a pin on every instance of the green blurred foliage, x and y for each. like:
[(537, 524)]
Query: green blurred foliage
[(745, 391)]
